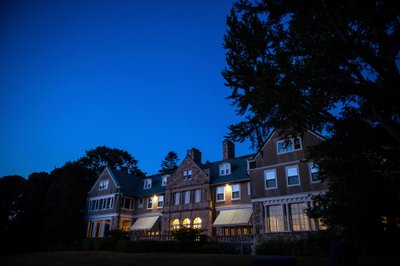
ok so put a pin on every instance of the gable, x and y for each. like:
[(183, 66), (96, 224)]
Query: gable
[(197, 176), (106, 175)]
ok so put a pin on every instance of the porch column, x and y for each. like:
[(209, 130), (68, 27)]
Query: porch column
[(288, 218), (103, 226), (266, 219), (94, 230)]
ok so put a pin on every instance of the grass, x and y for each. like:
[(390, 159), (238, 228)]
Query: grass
[(106, 258)]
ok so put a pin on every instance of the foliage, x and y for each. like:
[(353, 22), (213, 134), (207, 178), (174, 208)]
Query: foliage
[(187, 235), (98, 158), (314, 245), (329, 66), (290, 64), (362, 171), (210, 249), (170, 162)]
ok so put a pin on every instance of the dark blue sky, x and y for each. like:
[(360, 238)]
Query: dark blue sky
[(141, 76)]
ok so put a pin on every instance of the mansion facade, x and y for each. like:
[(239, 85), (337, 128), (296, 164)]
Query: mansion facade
[(244, 198)]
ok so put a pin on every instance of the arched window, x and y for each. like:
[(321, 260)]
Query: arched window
[(197, 223), (175, 224), (186, 223)]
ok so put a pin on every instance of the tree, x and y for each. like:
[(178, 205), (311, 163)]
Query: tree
[(330, 66), (170, 163), (98, 158), (13, 200), (64, 205), (290, 64)]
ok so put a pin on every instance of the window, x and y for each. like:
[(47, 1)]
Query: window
[(197, 195), (314, 172), (299, 216), (284, 146), (236, 192), (292, 174), (164, 181), (103, 185), (225, 169), (270, 178), (275, 218), (127, 203), (140, 203), (175, 224), (177, 198), (160, 203), (220, 194), (150, 203), (186, 197), (197, 223), (147, 183), (186, 223), (126, 224), (187, 174), (248, 188)]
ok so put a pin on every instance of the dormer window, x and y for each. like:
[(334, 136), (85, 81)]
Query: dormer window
[(289, 145), (103, 185), (164, 181), (225, 169), (147, 183), (187, 174)]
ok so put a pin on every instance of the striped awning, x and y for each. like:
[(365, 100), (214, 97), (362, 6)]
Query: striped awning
[(144, 223), (233, 217)]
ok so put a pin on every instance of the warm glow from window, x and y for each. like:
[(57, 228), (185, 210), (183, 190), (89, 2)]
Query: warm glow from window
[(197, 223), (186, 223), (228, 188)]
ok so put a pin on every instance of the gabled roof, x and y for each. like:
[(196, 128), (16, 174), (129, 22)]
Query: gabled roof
[(238, 170), (274, 131), (156, 188)]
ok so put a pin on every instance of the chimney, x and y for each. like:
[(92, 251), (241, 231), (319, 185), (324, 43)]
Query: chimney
[(195, 154), (228, 149)]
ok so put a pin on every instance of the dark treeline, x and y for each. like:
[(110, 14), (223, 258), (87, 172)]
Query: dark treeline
[(46, 211)]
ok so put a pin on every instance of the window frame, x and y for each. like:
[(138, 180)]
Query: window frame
[(186, 197), (103, 184), (177, 198), (232, 191), (149, 201), (265, 178), (225, 169), (287, 175), (147, 183), (197, 195), (310, 167), (164, 181), (223, 194), (158, 202), (292, 142), (141, 203)]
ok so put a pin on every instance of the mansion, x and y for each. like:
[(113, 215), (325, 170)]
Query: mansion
[(240, 198)]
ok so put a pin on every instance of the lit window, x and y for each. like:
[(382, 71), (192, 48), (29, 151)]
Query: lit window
[(299, 216), (150, 203), (225, 169), (186, 197), (160, 203), (186, 223), (270, 178), (177, 198), (292, 174), (235, 192), (126, 224), (314, 172), (175, 224), (103, 185), (289, 145), (197, 223), (220, 194), (147, 183), (275, 218), (197, 195)]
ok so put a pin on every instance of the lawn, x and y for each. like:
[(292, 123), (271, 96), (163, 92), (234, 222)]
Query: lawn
[(106, 258)]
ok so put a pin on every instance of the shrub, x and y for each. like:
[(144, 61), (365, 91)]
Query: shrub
[(210, 249)]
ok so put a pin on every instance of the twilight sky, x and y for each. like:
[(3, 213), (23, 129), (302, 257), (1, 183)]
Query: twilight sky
[(143, 76)]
